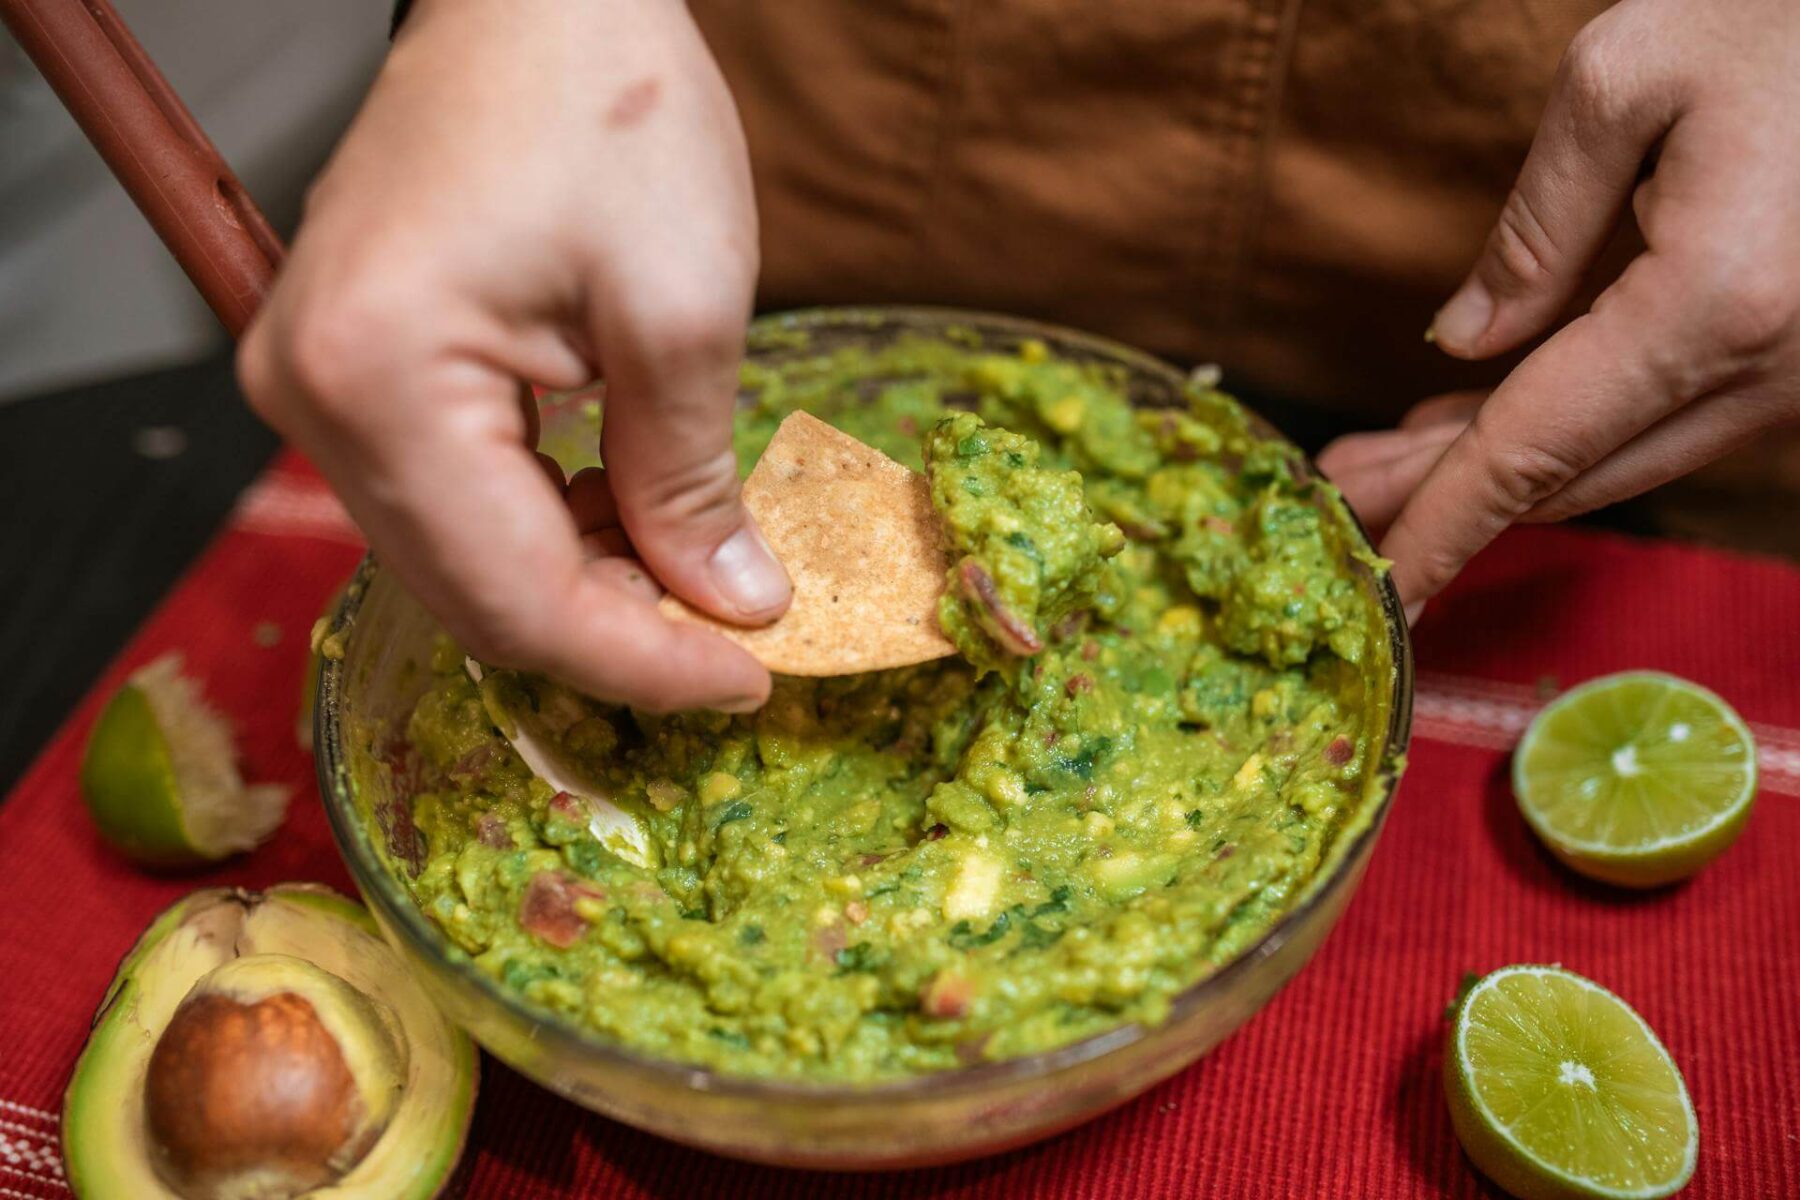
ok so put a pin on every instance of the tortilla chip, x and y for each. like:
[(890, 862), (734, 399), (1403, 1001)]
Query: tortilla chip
[(863, 546)]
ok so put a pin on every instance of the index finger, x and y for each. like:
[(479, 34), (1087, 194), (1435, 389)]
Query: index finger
[(1602, 379)]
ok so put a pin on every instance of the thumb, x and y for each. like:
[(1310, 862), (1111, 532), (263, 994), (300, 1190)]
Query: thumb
[(1600, 121), (666, 441)]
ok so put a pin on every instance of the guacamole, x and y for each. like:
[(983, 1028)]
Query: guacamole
[(1167, 712), (1026, 548)]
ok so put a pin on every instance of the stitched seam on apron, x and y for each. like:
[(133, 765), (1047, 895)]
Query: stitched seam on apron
[(1242, 129), (1256, 187), (949, 109)]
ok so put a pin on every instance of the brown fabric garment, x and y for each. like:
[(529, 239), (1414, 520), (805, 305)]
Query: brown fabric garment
[(1288, 187)]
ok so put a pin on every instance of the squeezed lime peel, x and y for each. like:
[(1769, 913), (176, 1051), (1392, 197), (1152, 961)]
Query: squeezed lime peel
[(219, 812), (160, 775)]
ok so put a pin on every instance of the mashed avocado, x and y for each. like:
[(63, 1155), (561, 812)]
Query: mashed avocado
[(909, 871), (1026, 548)]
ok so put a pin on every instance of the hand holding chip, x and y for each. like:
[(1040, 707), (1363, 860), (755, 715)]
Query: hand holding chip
[(421, 290)]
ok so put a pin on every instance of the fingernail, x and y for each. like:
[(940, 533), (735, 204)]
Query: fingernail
[(1413, 612), (746, 573), (1461, 322), (739, 704)]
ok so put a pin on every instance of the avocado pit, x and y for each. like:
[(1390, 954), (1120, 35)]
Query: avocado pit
[(273, 1078), (267, 1046)]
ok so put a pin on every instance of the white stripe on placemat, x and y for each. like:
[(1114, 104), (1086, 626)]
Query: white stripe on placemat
[(41, 1178), (28, 1152), (13, 1127), (35, 1154), (285, 504), (1489, 715)]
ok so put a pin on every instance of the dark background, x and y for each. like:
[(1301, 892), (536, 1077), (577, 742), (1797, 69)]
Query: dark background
[(95, 532)]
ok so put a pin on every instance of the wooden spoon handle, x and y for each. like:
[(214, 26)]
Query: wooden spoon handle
[(154, 146)]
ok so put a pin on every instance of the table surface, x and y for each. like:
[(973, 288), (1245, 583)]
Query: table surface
[(1331, 1091)]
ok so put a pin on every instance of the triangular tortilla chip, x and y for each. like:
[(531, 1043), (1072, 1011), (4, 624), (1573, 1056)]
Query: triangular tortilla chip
[(863, 546)]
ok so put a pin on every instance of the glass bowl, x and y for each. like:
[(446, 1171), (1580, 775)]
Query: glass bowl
[(363, 699)]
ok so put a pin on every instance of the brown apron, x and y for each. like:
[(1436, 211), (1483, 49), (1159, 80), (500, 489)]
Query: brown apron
[(1286, 187)]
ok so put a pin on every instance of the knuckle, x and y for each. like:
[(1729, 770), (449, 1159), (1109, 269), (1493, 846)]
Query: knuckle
[(689, 322), (702, 491), (323, 351), (1593, 77), (1439, 567), (495, 619), (1521, 475), (331, 346), (1521, 255), (1527, 475), (257, 377), (1560, 507), (652, 695), (695, 329), (1746, 312)]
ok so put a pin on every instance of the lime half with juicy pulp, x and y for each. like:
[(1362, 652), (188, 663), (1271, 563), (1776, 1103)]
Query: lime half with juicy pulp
[(161, 779), (1557, 1088), (1637, 779)]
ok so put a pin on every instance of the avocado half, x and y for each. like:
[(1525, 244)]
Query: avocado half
[(267, 1045)]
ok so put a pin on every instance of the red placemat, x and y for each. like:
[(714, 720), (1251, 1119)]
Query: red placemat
[(1332, 1091)]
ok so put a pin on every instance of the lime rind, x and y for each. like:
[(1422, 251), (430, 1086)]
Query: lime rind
[(161, 776), (1564, 792), (1511, 1160), (124, 776)]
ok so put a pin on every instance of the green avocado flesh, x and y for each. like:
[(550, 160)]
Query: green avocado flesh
[(981, 857)]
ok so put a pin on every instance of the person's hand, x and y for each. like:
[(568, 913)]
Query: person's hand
[(1687, 109), (545, 192)]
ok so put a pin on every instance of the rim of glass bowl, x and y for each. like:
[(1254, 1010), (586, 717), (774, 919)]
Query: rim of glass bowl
[(372, 874)]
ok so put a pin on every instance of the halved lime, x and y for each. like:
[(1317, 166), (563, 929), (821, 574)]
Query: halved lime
[(160, 776), (1558, 1089), (1638, 779)]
